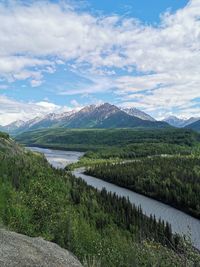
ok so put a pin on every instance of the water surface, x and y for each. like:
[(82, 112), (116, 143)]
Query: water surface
[(58, 158)]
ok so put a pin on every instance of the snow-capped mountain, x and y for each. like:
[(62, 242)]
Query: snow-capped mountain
[(13, 126), (46, 121), (138, 113), (93, 116), (178, 122)]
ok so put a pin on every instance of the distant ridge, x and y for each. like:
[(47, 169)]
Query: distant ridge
[(180, 123)]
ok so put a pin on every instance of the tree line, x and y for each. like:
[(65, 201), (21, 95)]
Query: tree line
[(171, 179), (38, 200)]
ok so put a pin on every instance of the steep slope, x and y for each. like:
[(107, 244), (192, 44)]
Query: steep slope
[(138, 113), (85, 118), (12, 127), (122, 120), (194, 126), (8, 146), (37, 200), (47, 121)]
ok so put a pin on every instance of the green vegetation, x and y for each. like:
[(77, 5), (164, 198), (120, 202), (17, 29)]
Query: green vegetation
[(173, 180), (108, 147), (38, 200), (115, 143), (194, 126), (107, 137), (4, 135)]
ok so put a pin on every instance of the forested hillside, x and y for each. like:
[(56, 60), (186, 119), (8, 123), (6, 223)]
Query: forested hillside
[(123, 143), (173, 180), (38, 200), (194, 126)]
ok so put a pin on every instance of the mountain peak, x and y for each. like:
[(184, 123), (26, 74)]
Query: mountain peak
[(87, 109), (108, 106)]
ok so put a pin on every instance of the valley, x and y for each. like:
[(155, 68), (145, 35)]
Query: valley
[(108, 187), (179, 221), (99, 133), (38, 200)]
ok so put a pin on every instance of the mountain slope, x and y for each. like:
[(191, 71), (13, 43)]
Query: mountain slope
[(194, 126), (47, 121), (122, 120), (86, 117), (138, 113), (12, 126)]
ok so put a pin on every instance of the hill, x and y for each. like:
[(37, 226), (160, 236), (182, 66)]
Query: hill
[(115, 143), (62, 138)]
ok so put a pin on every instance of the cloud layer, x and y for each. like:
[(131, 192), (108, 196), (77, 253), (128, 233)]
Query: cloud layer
[(155, 68), (11, 110)]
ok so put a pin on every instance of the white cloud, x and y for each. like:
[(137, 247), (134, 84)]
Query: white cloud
[(35, 38), (36, 83), (74, 103), (12, 110)]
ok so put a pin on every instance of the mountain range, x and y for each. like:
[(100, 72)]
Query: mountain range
[(93, 116), (181, 123)]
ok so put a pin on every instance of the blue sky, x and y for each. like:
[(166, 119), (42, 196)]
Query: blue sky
[(144, 10), (59, 55)]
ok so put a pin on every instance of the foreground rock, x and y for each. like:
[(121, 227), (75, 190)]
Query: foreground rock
[(23, 251)]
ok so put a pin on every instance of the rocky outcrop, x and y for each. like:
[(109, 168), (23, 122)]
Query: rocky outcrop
[(18, 250)]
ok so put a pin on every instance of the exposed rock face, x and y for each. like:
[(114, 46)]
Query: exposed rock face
[(18, 250)]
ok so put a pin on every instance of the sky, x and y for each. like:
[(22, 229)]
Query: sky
[(56, 56)]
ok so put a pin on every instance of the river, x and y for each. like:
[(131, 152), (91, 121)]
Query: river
[(181, 222)]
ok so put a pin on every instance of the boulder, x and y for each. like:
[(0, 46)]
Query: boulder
[(18, 250)]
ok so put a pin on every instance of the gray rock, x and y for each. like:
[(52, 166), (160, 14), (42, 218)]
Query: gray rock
[(18, 250)]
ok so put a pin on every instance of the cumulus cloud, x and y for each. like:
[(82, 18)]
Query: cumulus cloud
[(162, 63)]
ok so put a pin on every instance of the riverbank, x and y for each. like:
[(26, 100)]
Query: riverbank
[(92, 224), (181, 222)]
